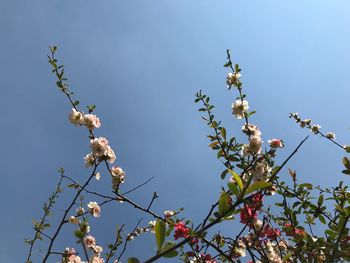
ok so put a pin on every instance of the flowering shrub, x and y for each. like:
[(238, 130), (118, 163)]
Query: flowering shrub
[(252, 178)]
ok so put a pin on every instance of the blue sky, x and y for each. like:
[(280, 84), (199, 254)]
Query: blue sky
[(141, 63)]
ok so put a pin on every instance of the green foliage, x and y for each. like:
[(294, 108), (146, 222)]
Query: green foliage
[(133, 260), (258, 186), (160, 233), (224, 203), (171, 254), (237, 179)]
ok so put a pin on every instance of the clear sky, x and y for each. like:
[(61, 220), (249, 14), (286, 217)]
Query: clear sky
[(141, 63)]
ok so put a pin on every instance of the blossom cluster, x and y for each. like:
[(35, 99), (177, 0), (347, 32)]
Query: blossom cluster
[(70, 256), (258, 238), (100, 151), (90, 243), (80, 119), (181, 230)]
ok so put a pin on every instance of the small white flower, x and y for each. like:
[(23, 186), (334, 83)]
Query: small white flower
[(94, 209), (91, 121), (76, 117), (110, 155), (89, 160), (97, 176), (80, 211), (168, 213), (239, 108), (232, 79), (97, 249), (118, 174), (73, 220), (130, 237), (255, 144), (89, 241), (239, 250), (251, 130), (260, 171), (305, 122), (258, 225), (245, 150), (152, 225), (99, 146), (315, 128)]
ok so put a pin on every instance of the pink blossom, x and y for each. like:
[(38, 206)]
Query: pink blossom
[(181, 230), (118, 176), (94, 209), (91, 121), (99, 146), (89, 241), (101, 150), (293, 231), (271, 233), (110, 155), (96, 249), (70, 256), (275, 143), (248, 215)]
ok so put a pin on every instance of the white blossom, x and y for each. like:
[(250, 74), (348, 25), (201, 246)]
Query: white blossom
[(239, 108)]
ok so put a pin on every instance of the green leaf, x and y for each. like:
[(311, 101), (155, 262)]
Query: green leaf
[(79, 234), (59, 84), (320, 201), (346, 172), (224, 203), (346, 163), (305, 185), (322, 219), (219, 153), (133, 260), (211, 145), (237, 178), (286, 257), (233, 189), (228, 64), (223, 133), (223, 174), (160, 233), (330, 233), (257, 186), (251, 113), (341, 224), (91, 108), (172, 253)]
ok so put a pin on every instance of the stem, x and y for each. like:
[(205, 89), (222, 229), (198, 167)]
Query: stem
[(65, 214)]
